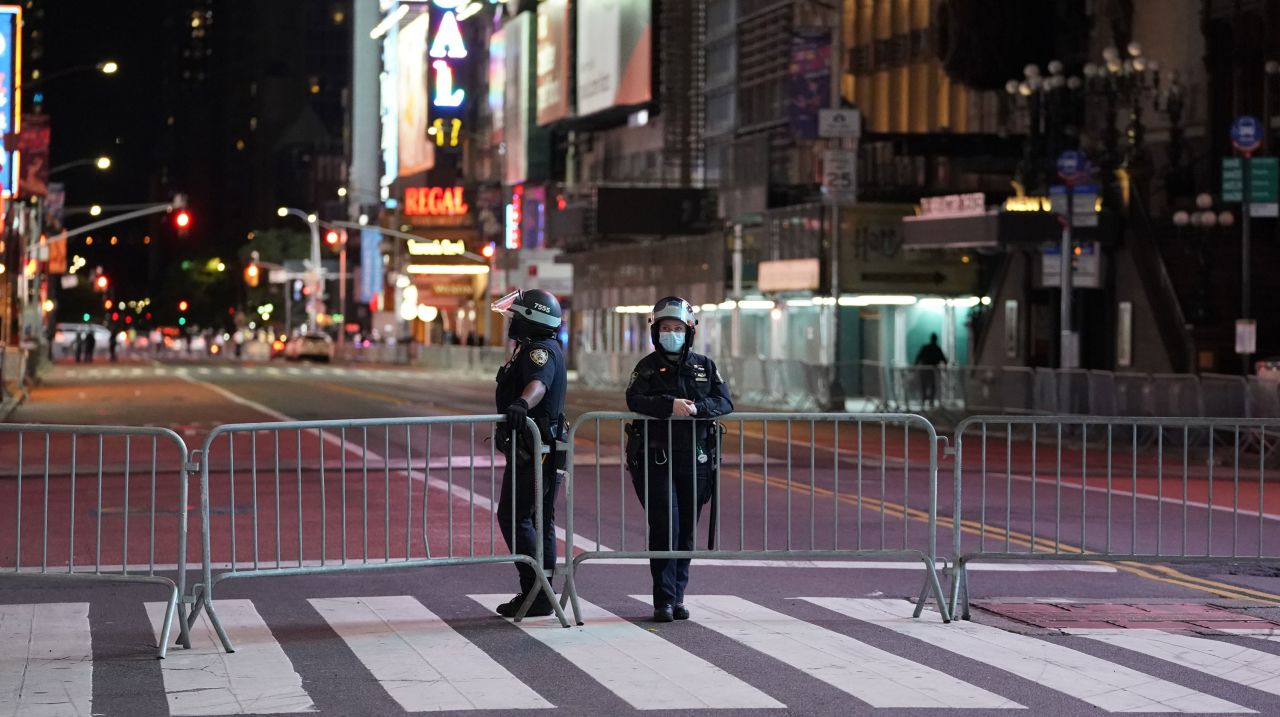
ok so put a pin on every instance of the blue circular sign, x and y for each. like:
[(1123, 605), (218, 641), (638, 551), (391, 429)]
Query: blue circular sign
[(1072, 165), (1246, 133)]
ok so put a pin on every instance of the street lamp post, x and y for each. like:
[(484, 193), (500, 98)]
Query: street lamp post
[(102, 163), (314, 273)]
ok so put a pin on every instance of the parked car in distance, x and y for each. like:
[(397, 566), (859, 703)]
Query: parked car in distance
[(315, 346)]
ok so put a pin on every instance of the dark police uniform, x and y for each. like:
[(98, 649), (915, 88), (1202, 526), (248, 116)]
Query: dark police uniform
[(540, 359), (682, 461)]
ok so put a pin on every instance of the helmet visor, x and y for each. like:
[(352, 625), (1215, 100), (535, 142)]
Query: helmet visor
[(503, 305)]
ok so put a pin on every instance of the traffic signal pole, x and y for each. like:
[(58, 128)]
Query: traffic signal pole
[(148, 210)]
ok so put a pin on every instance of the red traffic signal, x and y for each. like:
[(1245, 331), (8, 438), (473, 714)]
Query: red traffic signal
[(182, 219), (101, 283), (331, 237), (182, 305), (487, 251), (251, 274)]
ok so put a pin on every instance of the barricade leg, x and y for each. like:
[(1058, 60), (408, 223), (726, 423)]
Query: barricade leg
[(932, 585), (170, 608), (570, 593), (544, 586), (960, 590)]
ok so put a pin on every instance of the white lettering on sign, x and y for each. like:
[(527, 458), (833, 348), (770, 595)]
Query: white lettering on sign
[(954, 205), (437, 247)]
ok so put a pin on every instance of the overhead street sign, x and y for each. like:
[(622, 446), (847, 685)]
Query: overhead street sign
[(1246, 134)]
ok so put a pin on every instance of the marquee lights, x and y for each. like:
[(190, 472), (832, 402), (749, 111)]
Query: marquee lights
[(446, 94), (448, 41), (434, 202), (437, 247)]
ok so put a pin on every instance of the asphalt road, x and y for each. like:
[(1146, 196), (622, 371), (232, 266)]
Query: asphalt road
[(805, 637)]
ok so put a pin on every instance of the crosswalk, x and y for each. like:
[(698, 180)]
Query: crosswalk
[(728, 656)]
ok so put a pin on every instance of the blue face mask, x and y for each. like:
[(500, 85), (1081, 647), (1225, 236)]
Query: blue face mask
[(671, 341)]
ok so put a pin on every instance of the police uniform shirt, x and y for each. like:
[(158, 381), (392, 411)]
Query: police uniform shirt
[(657, 382), (535, 360)]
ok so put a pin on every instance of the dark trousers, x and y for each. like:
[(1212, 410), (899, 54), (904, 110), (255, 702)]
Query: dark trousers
[(929, 386), (525, 538), (671, 516)]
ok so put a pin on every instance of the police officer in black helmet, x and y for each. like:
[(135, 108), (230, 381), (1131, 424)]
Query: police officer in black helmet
[(531, 384), (675, 476)]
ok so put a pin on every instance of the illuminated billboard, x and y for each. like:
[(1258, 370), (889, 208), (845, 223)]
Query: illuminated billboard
[(10, 97), (614, 54), (416, 153), (497, 82), (515, 98), (552, 64)]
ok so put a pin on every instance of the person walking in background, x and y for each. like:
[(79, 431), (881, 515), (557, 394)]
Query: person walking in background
[(89, 345), (665, 456), (929, 358)]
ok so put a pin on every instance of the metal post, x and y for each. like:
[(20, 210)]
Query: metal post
[(735, 320), (315, 276), (1068, 356), (1244, 255), (836, 397)]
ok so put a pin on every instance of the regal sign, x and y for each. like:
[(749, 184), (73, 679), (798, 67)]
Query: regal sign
[(435, 202)]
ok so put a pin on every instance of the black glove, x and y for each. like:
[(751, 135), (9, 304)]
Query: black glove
[(517, 412)]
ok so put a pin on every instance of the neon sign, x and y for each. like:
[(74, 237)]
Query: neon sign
[(446, 138), (434, 202), (447, 47), (515, 213)]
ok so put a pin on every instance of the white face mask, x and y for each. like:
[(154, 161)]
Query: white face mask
[(671, 341)]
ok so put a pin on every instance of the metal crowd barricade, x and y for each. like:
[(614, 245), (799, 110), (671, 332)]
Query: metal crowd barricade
[(1092, 488), (309, 497), (97, 503), (790, 486)]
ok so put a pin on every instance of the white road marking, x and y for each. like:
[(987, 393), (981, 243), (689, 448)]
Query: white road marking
[(424, 664), (877, 677), (643, 669), (46, 660), (1101, 683), (257, 678), (1224, 660)]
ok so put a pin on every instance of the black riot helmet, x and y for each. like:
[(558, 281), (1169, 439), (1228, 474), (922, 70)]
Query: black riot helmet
[(673, 307), (533, 313)]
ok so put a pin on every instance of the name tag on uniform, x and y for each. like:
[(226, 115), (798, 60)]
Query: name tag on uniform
[(700, 374)]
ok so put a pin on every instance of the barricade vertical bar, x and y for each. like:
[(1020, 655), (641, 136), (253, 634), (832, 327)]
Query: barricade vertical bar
[(342, 463), (1084, 482), (1109, 486), (97, 541), (742, 484), (671, 492), (386, 494), (718, 477), (906, 490), (1262, 471), (1186, 435), (1057, 500), (324, 505), (1035, 534), (408, 492), (299, 442), (648, 504), (275, 435), (693, 480), (622, 480), (1235, 512), (765, 482), (124, 542), (1208, 550), (364, 494), (982, 509), (1133, 491), (493, 490), (151, 558), (835, 469), (884, 430), (813, 482), (426, 490), (1008, 486), (253, 486), (17, 561), (789, 463), (44, 533), (512, 463), (471, 518), (622, 462), (71, 545), (859, 512), (1159, 490), (449, 475)]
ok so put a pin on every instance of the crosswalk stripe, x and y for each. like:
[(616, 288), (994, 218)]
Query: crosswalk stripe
[(1241, 665), (46, 660), (204, 370), (136, 371), (877, 677), (204, 680), (1104, 684), (422, 662), (227, 371), (641, 668)]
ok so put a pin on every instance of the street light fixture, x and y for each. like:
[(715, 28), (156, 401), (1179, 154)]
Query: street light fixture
[(95, 210), (314, 271), (103, 163)]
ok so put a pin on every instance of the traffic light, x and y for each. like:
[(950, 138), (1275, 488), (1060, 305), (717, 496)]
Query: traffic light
[(251, 273), (331, 237), (101, 282), (487, 251), (182, 305), (182, 220)]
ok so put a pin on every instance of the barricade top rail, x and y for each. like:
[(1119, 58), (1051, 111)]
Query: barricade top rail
[(769, 416), (1170, 421), (86, 429), (348, 423)]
